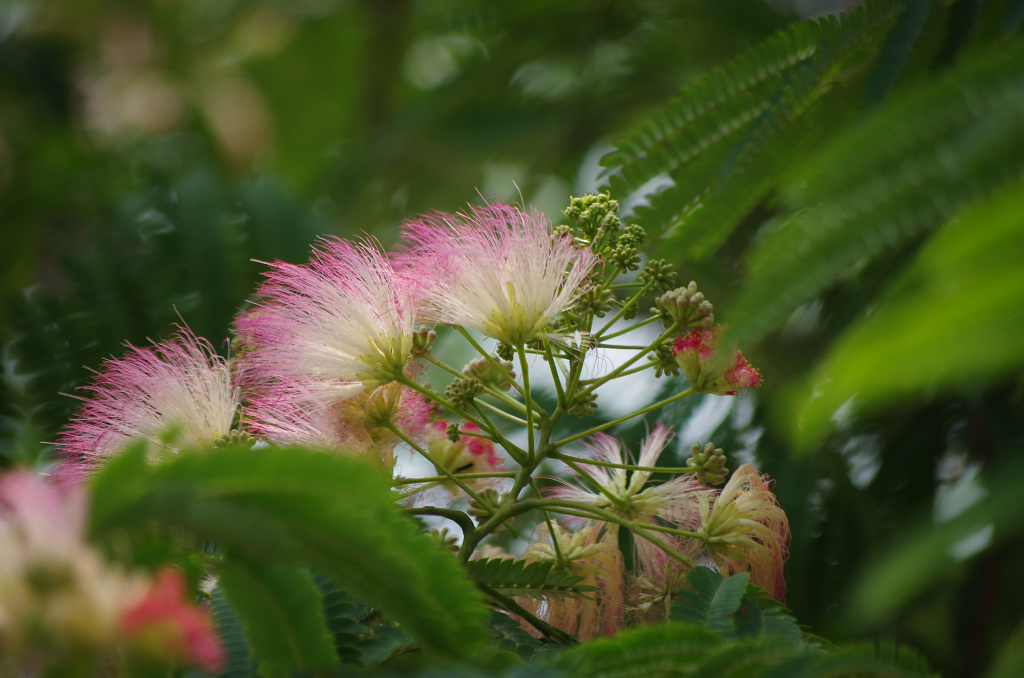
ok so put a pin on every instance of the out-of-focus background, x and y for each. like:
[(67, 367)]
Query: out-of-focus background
[(151, 150)]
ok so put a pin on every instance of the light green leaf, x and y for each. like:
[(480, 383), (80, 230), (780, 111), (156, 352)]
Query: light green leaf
[(952, 319), (281, 613)]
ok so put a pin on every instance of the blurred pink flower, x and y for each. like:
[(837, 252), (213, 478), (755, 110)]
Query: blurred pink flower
[(177, 394), (163, 625), (710, 369), (337, 326), (496, 270)]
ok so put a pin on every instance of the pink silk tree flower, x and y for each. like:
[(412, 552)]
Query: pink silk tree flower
[(177, 394), (674, 503), (470, 454), (591, 552), (339, 325), (496, 270), (711, 369), (747, 531), (291, 416)]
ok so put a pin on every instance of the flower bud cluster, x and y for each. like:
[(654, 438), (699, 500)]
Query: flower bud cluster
[(461, 392), (685, 306), (665, 361), (660, 273), (708, 464), (594, 213)]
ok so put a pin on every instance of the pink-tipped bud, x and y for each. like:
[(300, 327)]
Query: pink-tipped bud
[(710, 368)]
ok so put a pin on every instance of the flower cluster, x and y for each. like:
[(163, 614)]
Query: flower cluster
[(335, 353)]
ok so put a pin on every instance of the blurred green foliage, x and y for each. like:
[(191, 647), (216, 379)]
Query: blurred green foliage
[(847, 192)]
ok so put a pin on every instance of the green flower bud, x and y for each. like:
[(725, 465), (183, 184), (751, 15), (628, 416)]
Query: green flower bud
[(452, 432), (661, 273), (687, 306), (582, 405), (625, 257), (708, 464), (461, 392), (665, 360), (504, 351), (593, 213), (422, 339), (235, 437), (491, 372), (632, 235)]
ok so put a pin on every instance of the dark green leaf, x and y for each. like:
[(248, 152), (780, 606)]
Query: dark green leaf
[(519, 578)]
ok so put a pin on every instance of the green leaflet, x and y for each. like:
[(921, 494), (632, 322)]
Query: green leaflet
[(898, 173), (519, 578), (666, 650), (711, 599), (732, 606), (237, 659), (929, 552), (508, 635), (281, 613), (727, 136), (329, 511), (951, 319)]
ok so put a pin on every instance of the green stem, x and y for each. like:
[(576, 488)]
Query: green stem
[(560, 559), (553, 366), (443, 402), (457, 517), (498, 411), (495, 435), (627, 330), (633, 370), (632, 300), (617, 372), (469, 476), (443, 365), (480, 349), (528, 401), (616, 422), (561, 456), (574, 508)]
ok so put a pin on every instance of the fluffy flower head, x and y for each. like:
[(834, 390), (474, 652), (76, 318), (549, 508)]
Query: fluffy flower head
[(747, 531), (627, 492), (674, 503), (496, 270), (179, 387), (592, 553), (339, 325), (709, 368)]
